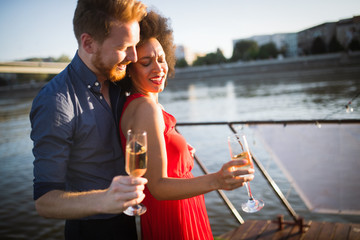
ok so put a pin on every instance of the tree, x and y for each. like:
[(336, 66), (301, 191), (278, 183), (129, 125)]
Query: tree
[(63, 58), (354, 45), (3, 82), (35, 59), (38, 77), (245, 50), (268, 50), (283, 49), (181, 63), (334, 45), (210, 59), (318, 46)]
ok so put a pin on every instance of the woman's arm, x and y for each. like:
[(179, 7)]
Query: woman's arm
[(144, 114)]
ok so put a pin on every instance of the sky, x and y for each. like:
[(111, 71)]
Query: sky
[(43, 28)]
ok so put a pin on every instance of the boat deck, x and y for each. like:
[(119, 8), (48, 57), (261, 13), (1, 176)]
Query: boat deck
[(301, 151), (266, 229)]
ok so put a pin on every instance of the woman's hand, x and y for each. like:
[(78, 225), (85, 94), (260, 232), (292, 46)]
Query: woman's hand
[(229, 180), (192, 150)]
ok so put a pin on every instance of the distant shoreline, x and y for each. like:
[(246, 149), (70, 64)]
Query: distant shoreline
[(342, 63), (261, 67), (21, 91)]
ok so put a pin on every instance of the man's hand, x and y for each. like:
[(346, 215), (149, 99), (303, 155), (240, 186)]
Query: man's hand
[(123, 192)]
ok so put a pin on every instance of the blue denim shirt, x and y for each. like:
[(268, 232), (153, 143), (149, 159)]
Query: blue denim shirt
[(75, 133)]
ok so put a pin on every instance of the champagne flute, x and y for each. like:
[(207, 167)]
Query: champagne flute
[(239, 149), (136, 163)]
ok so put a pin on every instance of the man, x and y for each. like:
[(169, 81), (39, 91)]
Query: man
[(79, 165)]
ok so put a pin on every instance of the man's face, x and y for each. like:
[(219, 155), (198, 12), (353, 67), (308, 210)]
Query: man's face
[(117, 51)]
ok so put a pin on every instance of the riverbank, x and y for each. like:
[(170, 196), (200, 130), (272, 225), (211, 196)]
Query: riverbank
[(21, 91), (299, 66), (262, 71)]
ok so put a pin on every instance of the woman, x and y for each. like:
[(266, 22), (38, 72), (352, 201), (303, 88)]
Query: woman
[(174, 197)]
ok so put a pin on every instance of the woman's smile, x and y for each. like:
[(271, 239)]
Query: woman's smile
[(159, 79)]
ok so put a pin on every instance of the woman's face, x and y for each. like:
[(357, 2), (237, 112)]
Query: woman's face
[(149, 73)]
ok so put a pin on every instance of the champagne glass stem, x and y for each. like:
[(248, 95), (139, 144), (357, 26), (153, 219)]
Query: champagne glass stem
[(247, 185)]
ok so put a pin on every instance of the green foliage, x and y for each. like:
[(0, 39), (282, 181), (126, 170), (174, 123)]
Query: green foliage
[(211, 58), (181, 63), (245, 50), (267, 51), (354, 45), (38, 77), (34, 60), (318, 46), (283, 50), (334, 45), (62, 58), (3, 82)]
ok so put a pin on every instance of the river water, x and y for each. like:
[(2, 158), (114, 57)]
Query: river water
[(307, 96)]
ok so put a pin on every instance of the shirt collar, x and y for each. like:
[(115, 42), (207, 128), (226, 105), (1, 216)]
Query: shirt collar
[(85, 74)]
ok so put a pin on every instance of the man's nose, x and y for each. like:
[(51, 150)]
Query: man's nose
[(131, 54)]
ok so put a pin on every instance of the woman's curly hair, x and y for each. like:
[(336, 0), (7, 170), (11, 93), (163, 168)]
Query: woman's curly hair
[(158, 27)]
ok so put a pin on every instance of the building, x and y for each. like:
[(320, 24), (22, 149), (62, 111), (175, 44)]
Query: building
[(306, 38), (348, 30), (183, 52), (344, 31)]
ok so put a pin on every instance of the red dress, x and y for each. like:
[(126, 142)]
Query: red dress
[(173, 219)]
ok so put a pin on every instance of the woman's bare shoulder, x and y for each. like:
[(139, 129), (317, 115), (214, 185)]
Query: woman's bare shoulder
[(144, 105), (144, 108)]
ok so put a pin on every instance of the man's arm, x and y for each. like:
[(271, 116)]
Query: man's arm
[(123, 192)]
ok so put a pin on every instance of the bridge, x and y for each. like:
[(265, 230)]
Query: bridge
[(32, 67)]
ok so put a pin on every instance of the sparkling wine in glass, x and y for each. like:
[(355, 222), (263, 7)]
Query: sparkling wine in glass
[(239, 149), (136, 163)]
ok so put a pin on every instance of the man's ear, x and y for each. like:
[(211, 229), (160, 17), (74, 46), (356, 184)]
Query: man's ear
[(88, 43)]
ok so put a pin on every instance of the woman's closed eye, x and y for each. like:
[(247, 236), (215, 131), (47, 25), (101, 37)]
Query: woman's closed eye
[(145, 62)]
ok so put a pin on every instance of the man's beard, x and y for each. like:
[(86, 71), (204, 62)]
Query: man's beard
[(111, 73), (116, 75)]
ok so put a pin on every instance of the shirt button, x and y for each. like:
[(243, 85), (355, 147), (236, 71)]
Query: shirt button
[(89, 86), (96, 83), (101, 97)]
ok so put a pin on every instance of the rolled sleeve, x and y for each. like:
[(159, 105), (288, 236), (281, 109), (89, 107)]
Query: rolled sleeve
[(41, 188), (51, 122)]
